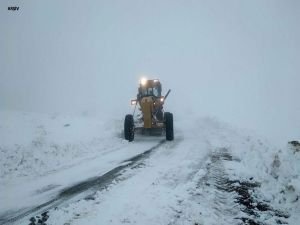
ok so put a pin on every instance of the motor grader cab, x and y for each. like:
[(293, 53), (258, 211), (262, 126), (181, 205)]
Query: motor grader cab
[(151, 114)]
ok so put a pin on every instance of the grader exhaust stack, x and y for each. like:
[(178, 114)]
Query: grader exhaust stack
[(151, 116)]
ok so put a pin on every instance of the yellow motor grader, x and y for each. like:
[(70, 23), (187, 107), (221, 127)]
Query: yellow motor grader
[(152, 116)]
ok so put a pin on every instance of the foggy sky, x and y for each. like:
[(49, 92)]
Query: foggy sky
[(238, 61)]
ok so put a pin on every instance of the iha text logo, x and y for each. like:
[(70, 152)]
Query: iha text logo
[(13, 8)]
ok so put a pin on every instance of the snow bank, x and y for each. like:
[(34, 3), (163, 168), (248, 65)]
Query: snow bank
[(33, 144), (276, 169)]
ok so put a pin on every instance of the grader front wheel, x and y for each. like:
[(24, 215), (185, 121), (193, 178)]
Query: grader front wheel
[(129, 128), (169, 126)]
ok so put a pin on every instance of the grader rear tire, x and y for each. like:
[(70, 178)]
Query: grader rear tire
[(129, 128), (169, 126)]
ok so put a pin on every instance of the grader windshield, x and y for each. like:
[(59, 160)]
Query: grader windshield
[(150, 88)]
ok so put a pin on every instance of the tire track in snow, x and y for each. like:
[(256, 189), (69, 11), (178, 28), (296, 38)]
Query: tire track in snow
[(233, 201), (95, 183)]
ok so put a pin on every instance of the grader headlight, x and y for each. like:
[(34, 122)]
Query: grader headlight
[(143, 81), (133, 102)]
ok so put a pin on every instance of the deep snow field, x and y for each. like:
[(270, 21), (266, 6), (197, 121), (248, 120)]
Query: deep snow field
[(80, 171)]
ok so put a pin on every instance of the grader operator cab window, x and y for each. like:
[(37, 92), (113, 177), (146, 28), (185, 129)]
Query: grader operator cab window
[(150, 89), (157, 91), (150, 92)]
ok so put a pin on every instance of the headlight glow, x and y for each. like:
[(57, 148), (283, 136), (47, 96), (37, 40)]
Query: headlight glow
[(143, 81)]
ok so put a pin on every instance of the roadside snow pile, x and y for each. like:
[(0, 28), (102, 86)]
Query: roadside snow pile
[(295, 146), (250, 159), (33, 144), (276, 170), (285, 169)]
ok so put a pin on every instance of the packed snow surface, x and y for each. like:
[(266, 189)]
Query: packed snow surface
[(202, 177)]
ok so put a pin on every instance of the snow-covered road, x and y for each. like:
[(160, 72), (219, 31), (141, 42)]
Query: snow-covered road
[(210, 174), (56, 188)]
